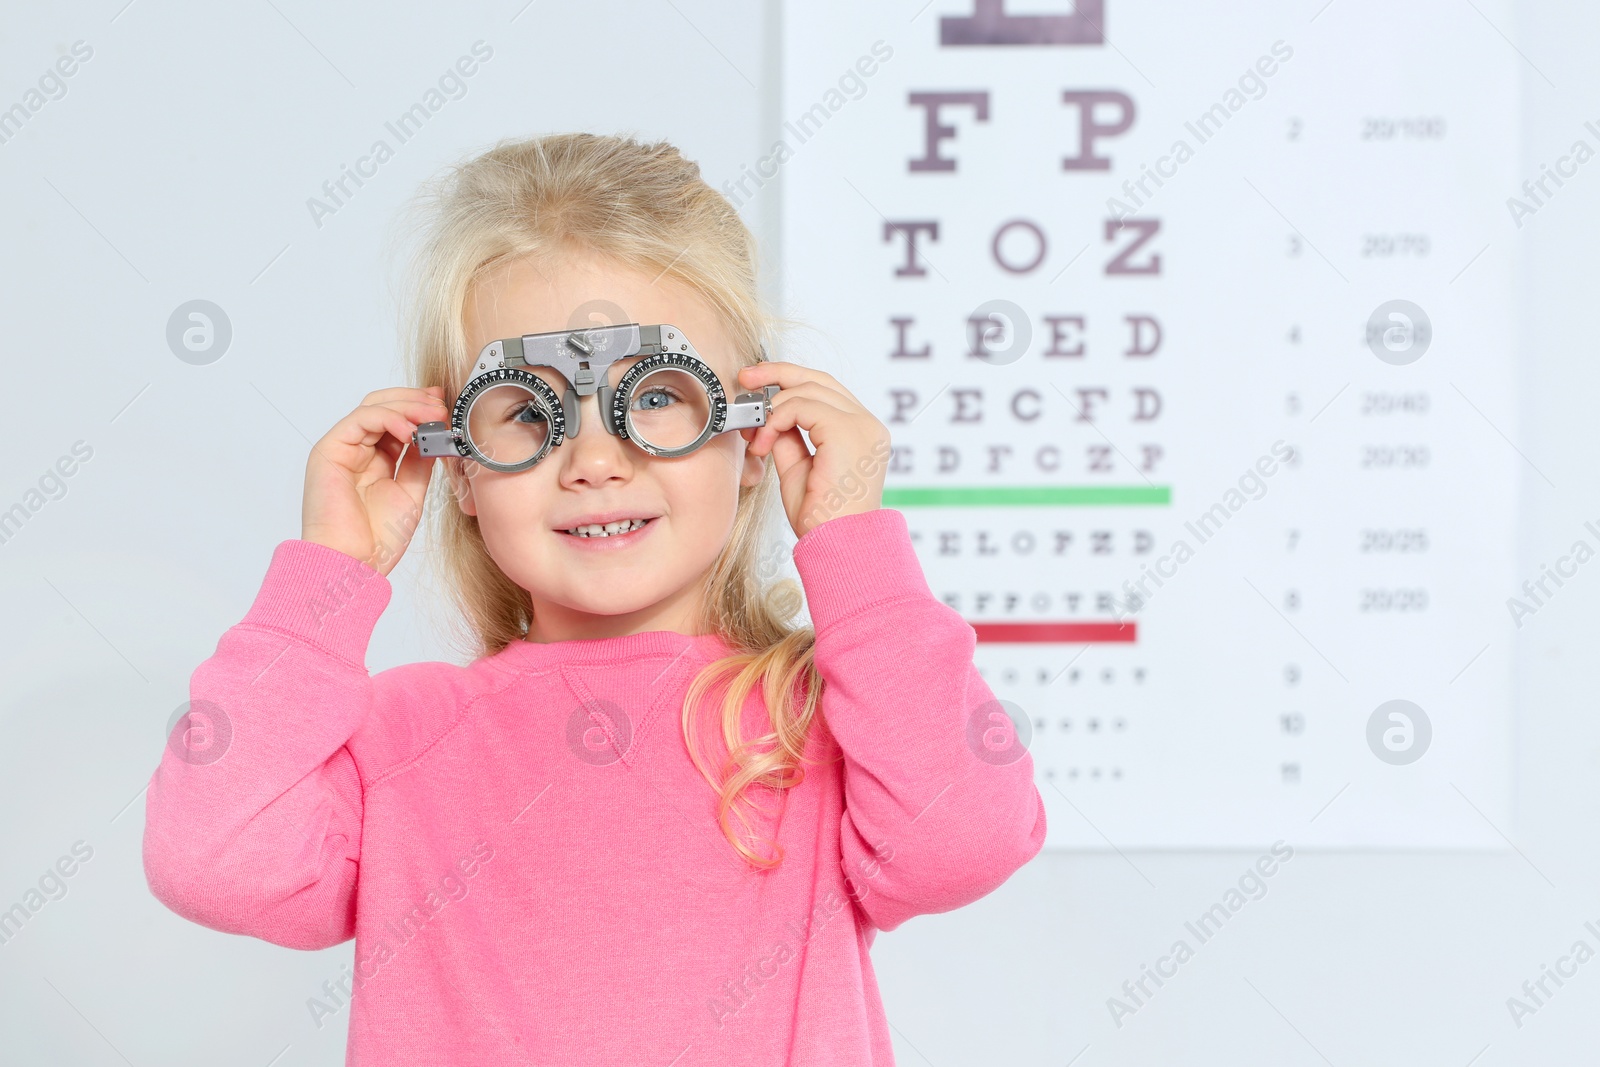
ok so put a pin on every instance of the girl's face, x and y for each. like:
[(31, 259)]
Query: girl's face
[(605, 587)]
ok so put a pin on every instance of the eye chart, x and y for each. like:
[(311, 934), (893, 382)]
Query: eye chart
[(1193, 328)]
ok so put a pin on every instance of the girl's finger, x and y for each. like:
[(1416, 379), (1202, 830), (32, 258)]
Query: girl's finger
[(414, 410), (802, 411), (821, 391), (354, 438), (413, 406), (418, 411), (789, 451), (787, 376), (403, 392)]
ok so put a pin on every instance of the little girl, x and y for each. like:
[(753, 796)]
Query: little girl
[(653, 820)]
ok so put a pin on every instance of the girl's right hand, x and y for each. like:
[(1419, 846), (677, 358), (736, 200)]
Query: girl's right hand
[(355, 501)]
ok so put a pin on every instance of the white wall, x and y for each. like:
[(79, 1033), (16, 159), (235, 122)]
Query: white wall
[(177, 167)]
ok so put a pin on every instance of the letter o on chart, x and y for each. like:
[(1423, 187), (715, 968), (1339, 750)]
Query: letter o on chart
[(1039, 241)]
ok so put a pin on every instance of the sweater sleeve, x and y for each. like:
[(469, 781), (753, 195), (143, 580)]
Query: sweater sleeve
[(253, 817), (940, 803)]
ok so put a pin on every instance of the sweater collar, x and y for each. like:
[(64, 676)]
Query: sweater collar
[(620, 651)]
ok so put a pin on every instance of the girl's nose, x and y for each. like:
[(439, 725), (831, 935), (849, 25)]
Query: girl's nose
[(594, 454)]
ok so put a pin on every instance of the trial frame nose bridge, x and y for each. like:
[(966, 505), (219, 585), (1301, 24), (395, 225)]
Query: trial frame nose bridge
[(584, 358)]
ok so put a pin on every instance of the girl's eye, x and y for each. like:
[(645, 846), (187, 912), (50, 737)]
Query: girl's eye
[(527, 413), (655, 399)]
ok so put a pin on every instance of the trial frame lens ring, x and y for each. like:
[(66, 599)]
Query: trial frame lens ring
[(506, 436), (622, 401)]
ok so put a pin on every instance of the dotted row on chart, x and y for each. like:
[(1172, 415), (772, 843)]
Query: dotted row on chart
[(1093, 725), (1093, 774), (1072, 675)]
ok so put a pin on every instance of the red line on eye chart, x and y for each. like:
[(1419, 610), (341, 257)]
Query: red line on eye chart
[(1064, 633)]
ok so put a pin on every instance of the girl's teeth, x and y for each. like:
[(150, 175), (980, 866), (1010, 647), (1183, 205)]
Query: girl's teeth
[(608, 529)]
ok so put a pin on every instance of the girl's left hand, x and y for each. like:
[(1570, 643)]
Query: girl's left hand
[(845, 475)]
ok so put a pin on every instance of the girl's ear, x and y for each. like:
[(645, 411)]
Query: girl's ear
[(461, 487)]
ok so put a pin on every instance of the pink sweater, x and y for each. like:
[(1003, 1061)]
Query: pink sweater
[(528, 860)]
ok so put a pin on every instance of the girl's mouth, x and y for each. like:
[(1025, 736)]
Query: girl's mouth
[(610, 536)]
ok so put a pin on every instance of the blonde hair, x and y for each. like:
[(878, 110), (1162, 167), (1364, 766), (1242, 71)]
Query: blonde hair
[(648, 207)]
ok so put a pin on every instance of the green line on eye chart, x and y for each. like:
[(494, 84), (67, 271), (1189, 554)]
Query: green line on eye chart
[(1012, 496)]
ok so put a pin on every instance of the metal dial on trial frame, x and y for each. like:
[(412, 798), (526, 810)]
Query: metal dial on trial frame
[(623, 395), (553, 413)]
